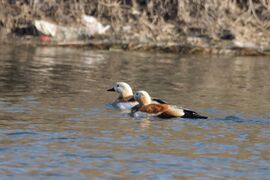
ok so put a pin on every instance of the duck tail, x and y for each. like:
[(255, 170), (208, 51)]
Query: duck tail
[(193, 115)]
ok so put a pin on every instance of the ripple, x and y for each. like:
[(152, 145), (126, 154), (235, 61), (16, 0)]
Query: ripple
[(99, 157), (241, 119), (21, 133)]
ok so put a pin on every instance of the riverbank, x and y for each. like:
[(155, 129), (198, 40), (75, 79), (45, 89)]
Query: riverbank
[(233, 28)]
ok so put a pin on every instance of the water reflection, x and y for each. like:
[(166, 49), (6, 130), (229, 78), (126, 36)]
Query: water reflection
[(54, 123)]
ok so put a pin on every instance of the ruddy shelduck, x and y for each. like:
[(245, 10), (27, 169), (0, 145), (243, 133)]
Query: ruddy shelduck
[(147, 108)]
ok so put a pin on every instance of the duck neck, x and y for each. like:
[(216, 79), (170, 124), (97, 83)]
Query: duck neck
[(125, 94), (145, 101)]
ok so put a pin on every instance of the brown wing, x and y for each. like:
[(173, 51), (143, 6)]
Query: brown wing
[(154, 108), (163, 110), (169, 114), (172, 112)]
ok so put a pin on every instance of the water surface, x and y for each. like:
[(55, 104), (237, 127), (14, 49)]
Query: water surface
[(54, 122)]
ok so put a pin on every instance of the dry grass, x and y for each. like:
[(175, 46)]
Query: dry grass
[(248, 21)]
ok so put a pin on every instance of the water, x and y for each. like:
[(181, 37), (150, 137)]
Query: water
[(54, 123)]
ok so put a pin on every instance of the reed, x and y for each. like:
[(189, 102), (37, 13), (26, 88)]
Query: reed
[(246, 21)]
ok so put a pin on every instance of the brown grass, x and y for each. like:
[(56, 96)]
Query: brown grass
[(247, 21)]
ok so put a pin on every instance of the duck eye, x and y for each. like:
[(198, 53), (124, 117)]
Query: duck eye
[(117, 85)]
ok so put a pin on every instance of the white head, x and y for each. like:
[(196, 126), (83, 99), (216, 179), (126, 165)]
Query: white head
[(142, 97), (122, 88)]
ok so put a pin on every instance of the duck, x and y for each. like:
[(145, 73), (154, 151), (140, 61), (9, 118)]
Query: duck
[(126, 100), (146, 108)]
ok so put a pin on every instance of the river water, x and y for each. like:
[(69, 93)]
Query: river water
[(55, 122)]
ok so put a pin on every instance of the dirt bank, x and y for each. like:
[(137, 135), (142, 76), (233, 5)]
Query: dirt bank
[(209, 26)]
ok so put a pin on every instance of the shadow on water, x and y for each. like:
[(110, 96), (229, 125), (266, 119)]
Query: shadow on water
[(55, 121)]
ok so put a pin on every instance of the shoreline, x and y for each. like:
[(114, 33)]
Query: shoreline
[(105, 43)]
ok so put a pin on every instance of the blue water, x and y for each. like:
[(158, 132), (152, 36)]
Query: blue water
[(54, 122)]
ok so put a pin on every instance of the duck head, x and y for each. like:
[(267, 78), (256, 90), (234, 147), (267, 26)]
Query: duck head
[(122, 88), (143, 98)]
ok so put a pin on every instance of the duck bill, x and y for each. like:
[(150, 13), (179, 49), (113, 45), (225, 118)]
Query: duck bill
[(112, 89)]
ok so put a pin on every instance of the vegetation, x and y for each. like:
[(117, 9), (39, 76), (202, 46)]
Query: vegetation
[(201, 23)]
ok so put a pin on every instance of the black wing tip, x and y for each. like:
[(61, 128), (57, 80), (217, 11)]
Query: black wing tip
[(160, 101), (193, 115)]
